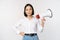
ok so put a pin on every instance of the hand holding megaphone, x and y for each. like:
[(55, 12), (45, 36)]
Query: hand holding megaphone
[(48, 13), (41, 20), (39, 17)]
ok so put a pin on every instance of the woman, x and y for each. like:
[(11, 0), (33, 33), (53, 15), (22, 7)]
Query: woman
[(30, 24)]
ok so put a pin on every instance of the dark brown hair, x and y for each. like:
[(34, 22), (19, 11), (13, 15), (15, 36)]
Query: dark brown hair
[(25, 9)]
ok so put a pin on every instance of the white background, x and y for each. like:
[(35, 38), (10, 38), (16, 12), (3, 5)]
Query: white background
[(12, 10)]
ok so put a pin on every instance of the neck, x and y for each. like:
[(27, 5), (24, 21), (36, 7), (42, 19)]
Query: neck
[(29, 17)]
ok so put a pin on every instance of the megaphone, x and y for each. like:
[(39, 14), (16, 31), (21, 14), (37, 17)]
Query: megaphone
[(47, 13)]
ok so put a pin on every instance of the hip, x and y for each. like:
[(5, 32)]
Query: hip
[(30, 37)]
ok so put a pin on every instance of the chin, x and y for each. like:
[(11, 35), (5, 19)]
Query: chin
[(29, 14)]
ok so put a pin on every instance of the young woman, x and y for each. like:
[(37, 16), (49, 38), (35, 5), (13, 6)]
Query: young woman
[(30, 24)]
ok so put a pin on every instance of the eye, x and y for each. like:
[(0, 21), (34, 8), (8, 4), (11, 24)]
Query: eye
[(26, 9), (30, 8)]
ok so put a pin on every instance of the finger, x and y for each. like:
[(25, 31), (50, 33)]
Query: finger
[(44, 19)]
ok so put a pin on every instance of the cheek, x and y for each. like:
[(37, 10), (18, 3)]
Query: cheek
[(26, 12), (31, 11)]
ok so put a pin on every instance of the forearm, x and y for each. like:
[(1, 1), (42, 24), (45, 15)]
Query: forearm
[(42, 22)]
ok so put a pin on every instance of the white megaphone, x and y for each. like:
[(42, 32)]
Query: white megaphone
[(47, 13)]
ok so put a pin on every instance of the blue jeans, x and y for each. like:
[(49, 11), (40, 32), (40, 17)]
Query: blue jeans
[(35, 37)]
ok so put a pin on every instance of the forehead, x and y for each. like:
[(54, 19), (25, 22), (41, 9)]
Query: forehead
[(28, 7)]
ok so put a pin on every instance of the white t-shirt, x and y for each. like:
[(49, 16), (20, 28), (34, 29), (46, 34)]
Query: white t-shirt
[(28, 26)]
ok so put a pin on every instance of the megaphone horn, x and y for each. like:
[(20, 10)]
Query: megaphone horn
[(51, 14)]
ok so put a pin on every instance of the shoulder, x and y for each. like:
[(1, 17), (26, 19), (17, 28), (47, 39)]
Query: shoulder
[(23, 19)]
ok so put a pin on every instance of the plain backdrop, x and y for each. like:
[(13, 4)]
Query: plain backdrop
[(12, 10)]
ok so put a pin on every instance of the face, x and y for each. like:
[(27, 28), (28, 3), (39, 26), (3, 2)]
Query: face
[(28, 11)]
